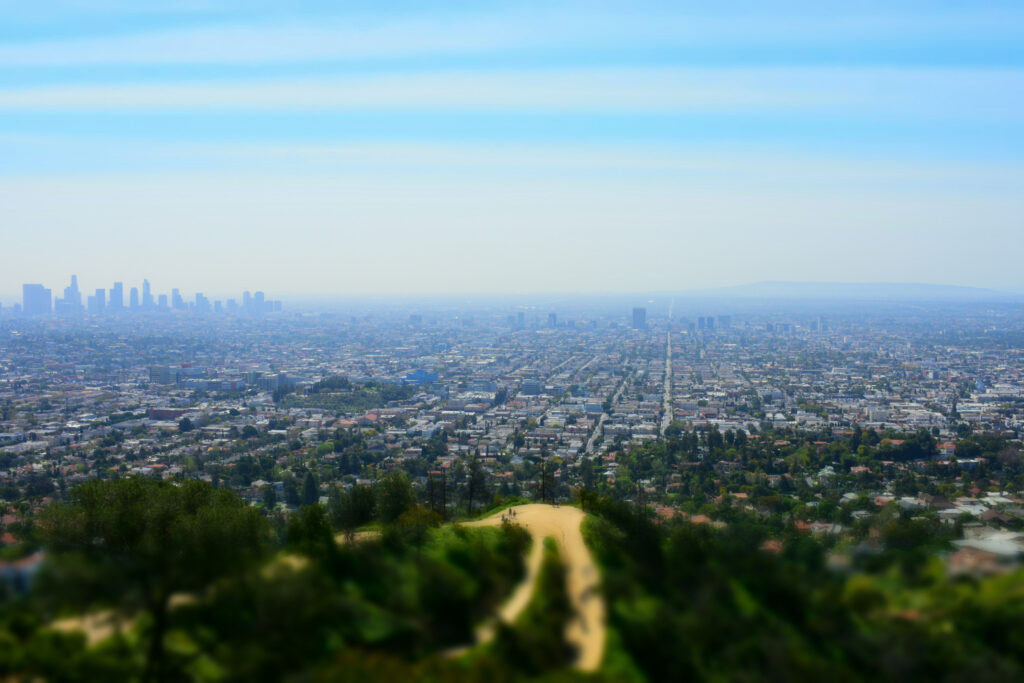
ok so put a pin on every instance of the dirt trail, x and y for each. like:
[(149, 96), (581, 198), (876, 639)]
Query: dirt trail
[(586, 631), (97, 626), (357, 537)]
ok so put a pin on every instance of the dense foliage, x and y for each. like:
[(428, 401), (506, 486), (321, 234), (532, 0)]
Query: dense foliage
[(209, 590), (694, 602), (341, 395), (535, 642)]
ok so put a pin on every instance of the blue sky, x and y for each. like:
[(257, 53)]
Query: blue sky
[(341, 148)]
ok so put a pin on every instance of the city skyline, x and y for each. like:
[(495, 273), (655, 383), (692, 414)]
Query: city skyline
[(37, 299), (633, 340), (779, 291)]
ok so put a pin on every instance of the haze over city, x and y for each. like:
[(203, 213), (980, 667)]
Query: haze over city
[(511, 148), (502, 342)]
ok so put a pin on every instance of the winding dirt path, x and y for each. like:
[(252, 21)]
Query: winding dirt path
[(586, 631), (97, 626)]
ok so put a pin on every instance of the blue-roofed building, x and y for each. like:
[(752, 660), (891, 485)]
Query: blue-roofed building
[(419, 377)]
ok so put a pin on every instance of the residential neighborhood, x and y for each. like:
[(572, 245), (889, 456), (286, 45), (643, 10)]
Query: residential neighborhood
[(833, 420)]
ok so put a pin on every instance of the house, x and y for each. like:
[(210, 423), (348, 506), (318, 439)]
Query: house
[(936, 502), (973, 562), (995, 517)]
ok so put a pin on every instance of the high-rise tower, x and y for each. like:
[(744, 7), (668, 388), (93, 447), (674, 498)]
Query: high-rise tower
[(639, 318), (36, 300), (116, 302)]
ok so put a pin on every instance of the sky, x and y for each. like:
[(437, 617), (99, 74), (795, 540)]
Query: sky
[(340, 149)]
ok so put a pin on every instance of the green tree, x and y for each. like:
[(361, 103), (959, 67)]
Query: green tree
[(349, 510), (588, 478), (309, 532), (335, 505), (518, 440), (414, 526), (310, 490), (146, 540), (476, 484), (536, 643), (291, 491), (395, 497), (269, 497), (546, 482)]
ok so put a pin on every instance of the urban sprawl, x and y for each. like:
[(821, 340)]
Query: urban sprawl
[(830, 418)]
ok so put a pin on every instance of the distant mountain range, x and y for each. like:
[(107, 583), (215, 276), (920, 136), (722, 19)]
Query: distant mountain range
[(879, 291)]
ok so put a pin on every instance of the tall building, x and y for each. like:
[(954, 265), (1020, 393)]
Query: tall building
[(133, 298), (97, 302), (147, 295), (530, 387), (246, 302), (72, 301), (177, 303), (552, 320), (116, 302), (639, 318), (258, 304), (36, 300)]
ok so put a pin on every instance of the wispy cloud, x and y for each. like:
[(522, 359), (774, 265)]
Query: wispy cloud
[(833, 139), (928, 93), (602, 89), (437, 30), (739, 166), (292, 41)]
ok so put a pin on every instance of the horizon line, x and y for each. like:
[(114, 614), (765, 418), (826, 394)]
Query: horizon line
[(721, 291)]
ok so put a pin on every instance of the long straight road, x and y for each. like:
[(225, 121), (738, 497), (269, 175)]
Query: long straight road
[(604, 416), (666, 415)]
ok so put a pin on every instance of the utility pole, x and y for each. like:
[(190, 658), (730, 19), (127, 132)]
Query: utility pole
[(543, 482), (430, 492), (444, 497)]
